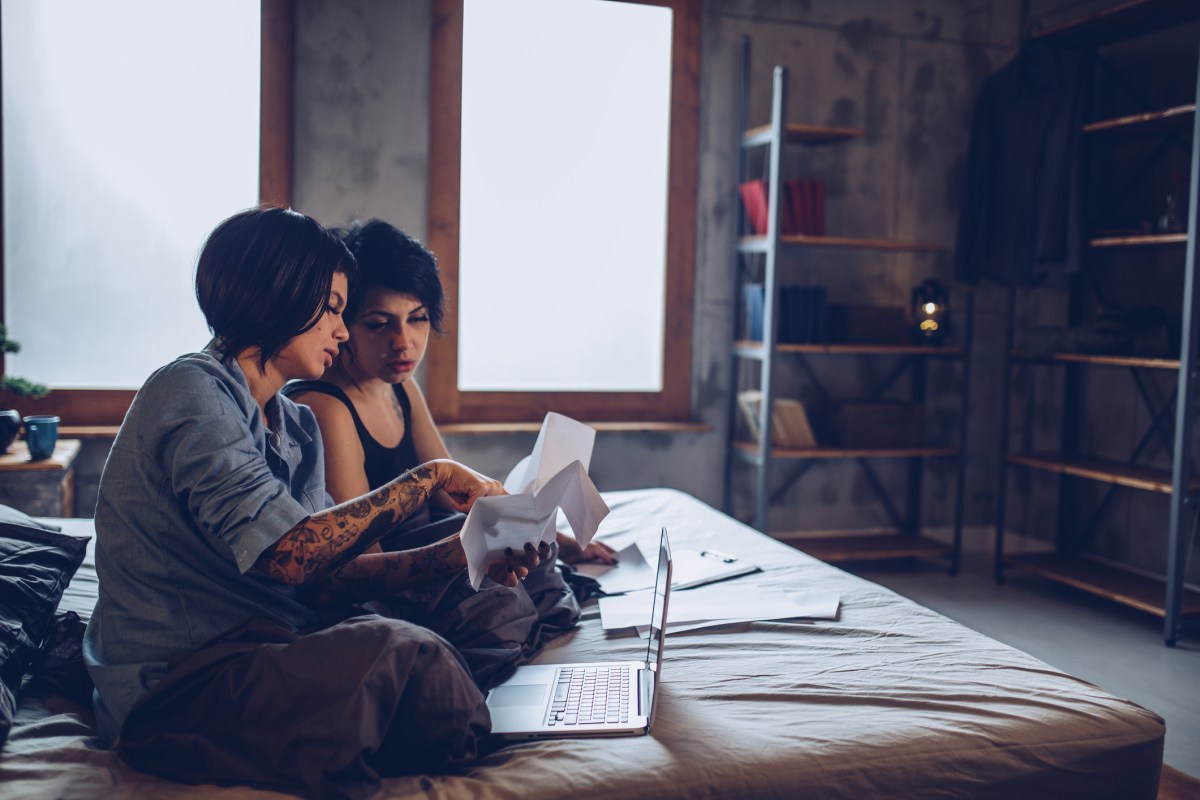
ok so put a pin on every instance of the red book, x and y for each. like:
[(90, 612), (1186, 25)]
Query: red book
[(818, 208), (810, 209), (795, 207), (754, 200)]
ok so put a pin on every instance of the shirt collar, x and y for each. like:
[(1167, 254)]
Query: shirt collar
[(278, 407)]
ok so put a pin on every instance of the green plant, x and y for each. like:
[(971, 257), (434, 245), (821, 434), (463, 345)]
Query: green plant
[(18, 386)]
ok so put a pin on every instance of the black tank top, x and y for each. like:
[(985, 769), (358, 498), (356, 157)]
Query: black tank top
[(380, 463)]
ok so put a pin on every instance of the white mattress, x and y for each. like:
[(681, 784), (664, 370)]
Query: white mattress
[(891, 700)]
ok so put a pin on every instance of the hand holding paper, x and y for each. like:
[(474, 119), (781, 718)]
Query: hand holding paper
[(497, 523), (530, 512)]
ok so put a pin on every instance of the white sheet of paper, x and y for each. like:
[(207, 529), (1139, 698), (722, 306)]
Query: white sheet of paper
[(814, 605), (560, 441), (630, 573), (715, 602), (496, 523)]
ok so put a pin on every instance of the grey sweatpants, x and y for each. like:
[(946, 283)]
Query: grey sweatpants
[(324, 713)]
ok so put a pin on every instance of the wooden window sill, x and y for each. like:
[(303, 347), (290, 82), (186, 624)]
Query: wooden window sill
[(89, 431), (485, 428), (456, 428)]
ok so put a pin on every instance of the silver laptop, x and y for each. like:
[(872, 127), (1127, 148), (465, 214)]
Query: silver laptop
[(614, 698)]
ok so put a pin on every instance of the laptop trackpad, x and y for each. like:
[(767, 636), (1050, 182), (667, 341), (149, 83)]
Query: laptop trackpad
[(527, 694)]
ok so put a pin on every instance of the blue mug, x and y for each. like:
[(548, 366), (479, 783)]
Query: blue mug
[(41, 434)]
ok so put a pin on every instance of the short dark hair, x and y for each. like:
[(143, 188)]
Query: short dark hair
[(264, 277), (391, 259)]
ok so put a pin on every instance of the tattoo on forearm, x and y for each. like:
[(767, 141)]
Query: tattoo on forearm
[(332, 538), (380, 575)]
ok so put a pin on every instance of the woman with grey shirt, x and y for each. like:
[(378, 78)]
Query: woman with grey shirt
[(213, 530)]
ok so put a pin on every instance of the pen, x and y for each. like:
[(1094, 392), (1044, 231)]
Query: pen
[(714, 554)]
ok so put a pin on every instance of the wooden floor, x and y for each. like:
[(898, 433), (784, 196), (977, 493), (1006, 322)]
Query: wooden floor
[(1175, 785)]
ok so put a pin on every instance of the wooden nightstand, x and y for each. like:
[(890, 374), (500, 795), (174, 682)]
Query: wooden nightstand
[(40, 488)]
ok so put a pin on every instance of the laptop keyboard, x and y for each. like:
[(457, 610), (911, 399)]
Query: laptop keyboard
[(590, 695)]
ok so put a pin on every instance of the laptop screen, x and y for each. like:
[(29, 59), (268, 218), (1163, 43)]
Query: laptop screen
[(658, 614)]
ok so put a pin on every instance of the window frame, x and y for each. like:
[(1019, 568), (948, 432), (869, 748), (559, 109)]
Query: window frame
[(102, 408), (673, 403)]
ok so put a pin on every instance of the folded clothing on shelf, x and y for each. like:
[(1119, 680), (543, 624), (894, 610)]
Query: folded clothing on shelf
[(1138, 331)]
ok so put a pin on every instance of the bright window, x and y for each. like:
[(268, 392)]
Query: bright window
[(562, 207), (563, 220), (131, 127)]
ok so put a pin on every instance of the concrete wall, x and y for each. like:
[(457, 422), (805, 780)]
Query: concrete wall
[(906, 72)]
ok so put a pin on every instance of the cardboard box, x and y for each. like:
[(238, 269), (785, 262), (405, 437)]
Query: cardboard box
[(867, 325), (878, 423)]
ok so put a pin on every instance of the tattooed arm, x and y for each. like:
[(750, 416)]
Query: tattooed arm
[(329, 539), (376, 575)]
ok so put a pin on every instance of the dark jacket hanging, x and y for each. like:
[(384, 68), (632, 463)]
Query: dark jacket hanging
[(1020, 218)]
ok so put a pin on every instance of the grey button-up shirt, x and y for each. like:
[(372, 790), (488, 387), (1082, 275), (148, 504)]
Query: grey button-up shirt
[(194, 490)]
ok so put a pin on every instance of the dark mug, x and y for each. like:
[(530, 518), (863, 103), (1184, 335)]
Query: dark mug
[(10, 426), (41, 434)]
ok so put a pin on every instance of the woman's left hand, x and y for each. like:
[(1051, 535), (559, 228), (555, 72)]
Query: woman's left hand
[(570, 551)]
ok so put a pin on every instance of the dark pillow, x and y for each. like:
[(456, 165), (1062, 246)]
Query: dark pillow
[(35, 567)]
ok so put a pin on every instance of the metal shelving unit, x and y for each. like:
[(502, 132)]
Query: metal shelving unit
[(760, 255), (1172, 421)]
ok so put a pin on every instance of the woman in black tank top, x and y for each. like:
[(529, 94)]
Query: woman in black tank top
[(374, 420)]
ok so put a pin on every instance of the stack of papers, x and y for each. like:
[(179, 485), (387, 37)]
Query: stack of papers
[(719, 604)]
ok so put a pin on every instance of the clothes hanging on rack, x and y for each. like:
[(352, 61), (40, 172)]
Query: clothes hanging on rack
[(1020, 219)]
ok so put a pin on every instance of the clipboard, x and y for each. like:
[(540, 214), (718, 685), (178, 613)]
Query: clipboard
[(691, 568)]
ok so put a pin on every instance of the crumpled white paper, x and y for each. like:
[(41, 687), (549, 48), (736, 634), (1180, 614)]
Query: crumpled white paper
[(553, 477), (560, 441)]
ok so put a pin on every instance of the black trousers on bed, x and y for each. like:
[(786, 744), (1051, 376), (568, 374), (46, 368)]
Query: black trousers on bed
[(496, 628), (393, 689), (324, 713)]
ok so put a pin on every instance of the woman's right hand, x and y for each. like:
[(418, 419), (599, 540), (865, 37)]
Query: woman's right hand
[(463, 485), (512, 567)]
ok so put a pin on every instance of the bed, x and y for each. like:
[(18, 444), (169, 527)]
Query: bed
[(889, 700)]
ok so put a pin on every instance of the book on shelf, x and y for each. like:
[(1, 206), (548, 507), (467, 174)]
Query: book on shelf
[(802, 311), (753, 297), (803, 202), (796, 206), (805, 205), (790, 426), (754, 201), (808, 216), (818, 208)]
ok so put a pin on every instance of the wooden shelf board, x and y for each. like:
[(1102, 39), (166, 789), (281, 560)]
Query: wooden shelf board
[(1139, 240), (1147, 124), (1120, 21), (869, 547), (750, 348), (852, 452), (1103, 360), (1131, 589), (801, 133), (1135, 477), (759, 243)]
